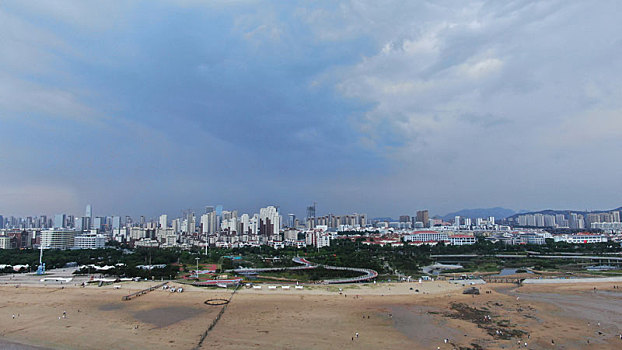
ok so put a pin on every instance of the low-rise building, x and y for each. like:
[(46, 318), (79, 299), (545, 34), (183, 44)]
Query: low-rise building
[(317, 239), (5, 242), (58, 238), (426, 236), (90, 241), (581, 238), (462, 239)]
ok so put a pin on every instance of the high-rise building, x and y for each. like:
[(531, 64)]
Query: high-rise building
[(190, 223), (539, 219), (269, 221), (560, 220), (205, 222), (424, 217), (576, 221), (163, 221), (292, 220), (176, 224), (86, 223), (98, 223), (1, 222), (362, 220), (77, 224), (59, 221), (116, 222), (89, 211), (457, 221), (311, 212), (591, 219), (244, 225), (549, 221)]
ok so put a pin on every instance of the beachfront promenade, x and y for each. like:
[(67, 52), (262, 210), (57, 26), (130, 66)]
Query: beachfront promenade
[(456, 258)]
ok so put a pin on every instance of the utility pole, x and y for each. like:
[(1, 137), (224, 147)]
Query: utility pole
[(197, 259)]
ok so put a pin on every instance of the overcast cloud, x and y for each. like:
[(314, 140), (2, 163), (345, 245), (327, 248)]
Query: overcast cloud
[(384, 107)]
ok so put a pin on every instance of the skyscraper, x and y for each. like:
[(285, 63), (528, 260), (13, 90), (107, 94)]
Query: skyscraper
[(163, 221), (205, 223), (311, 219), (269, 221), (59, 221), (424, 217), (78, 224), (97, 223), (88, 213), (116, 222)]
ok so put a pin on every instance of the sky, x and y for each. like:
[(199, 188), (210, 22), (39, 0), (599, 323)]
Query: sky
[(381, 107)]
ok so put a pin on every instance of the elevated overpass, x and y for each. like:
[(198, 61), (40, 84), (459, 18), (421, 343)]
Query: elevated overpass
[(366, 274)]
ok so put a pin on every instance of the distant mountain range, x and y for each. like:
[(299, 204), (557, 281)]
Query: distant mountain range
[(498, 212), (384, 218), (501, 213), (566, 212)]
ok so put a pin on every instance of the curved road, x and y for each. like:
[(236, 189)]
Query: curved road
[(367, 274)]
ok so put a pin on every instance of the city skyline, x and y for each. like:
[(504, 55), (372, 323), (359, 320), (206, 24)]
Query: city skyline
[(375, 107), (419, 214)]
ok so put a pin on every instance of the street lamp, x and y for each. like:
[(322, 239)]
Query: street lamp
[(197, 259)]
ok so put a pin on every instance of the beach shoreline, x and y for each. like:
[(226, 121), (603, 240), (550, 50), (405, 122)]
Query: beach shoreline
[(385, 315)]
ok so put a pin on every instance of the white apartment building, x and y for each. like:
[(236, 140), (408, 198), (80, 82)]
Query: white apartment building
[(5, 242), (90, 241), (58, 238), (581, 238), (462, 239), (317, 239), (426, 236)]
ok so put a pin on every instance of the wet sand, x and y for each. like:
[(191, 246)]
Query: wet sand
[(166, 316), (419, 324), (386, 316), (7, 345)]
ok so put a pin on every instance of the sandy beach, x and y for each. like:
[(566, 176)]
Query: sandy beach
[(385, 316)]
